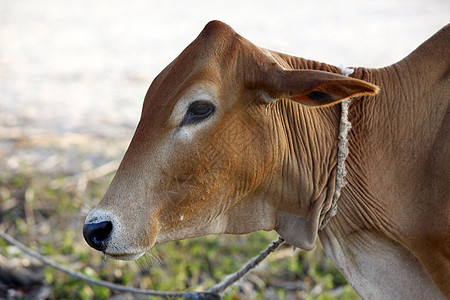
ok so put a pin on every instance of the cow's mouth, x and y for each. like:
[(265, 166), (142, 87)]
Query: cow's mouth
[(124, 256)]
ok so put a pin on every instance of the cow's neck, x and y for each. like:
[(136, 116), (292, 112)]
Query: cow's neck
[(363, 222), (309, 163), (308, 144), (392, 133)]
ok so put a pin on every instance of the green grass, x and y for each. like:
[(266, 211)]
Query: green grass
[(47, 211)]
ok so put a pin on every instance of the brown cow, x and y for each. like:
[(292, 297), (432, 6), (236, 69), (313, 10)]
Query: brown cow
[(234, 138)]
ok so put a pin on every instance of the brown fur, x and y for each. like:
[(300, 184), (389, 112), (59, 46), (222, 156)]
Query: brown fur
[(255, 165)]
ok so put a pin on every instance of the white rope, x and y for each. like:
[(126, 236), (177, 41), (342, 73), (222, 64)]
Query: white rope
[(232, 278), (344, 128)]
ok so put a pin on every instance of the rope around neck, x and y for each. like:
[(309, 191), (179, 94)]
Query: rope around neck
[(344, 128)]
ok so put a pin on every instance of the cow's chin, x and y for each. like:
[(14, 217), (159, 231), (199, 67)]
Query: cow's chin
[(192, 230)]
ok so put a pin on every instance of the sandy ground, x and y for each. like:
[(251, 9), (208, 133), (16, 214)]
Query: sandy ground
[(71, 71)]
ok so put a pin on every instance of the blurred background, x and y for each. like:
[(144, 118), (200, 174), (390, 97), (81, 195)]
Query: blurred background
[(71, 68), (73, 75)]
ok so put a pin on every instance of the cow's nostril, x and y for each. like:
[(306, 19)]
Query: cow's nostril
[(97, 234)]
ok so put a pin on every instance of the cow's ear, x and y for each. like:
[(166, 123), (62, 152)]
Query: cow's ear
[(312, 88)]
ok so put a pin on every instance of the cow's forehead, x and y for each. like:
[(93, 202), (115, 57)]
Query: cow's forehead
[(206, 59)]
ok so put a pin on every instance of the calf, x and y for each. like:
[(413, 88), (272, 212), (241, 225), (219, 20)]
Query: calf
[(234, 138)]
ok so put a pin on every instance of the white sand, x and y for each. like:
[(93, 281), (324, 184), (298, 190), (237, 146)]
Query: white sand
[(84, 66)]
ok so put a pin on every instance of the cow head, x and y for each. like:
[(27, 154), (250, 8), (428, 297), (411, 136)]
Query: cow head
[(205, 157)]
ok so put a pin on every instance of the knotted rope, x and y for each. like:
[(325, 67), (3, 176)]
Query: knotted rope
[(344, 128)]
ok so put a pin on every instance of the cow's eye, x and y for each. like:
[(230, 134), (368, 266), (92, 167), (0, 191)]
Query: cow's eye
[(198, 111)]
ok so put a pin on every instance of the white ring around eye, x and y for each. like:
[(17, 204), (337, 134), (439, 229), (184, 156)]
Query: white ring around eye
[(201, 91)]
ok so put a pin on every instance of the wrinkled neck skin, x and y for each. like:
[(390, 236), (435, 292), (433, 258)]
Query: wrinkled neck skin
[(393, 135), (308, 146)]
